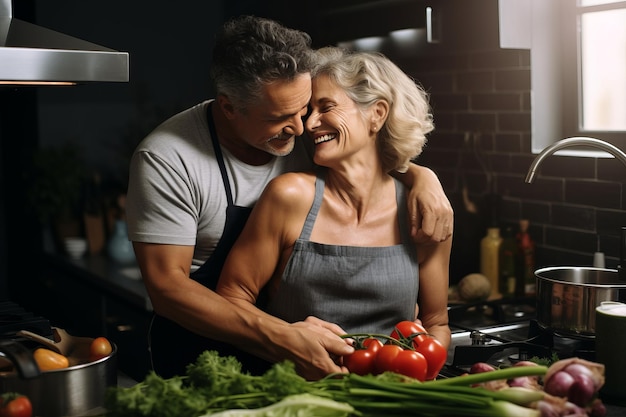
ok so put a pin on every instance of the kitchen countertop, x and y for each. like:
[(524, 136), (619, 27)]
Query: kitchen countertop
[(123, 281)]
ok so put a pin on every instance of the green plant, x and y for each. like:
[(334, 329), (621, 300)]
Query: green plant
[(56, 181)]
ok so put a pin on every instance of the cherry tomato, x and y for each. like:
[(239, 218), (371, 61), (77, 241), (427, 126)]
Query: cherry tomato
[(48, 360), (411, 363), (407, 331), (100, 348), (372, 344), (434, 353), (361, 361), (15, 405), (385, 358)]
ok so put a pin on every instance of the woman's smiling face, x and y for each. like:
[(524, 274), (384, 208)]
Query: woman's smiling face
[(336, 125)]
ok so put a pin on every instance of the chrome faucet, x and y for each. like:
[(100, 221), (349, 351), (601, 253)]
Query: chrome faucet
[(593, 143), (569, 142)]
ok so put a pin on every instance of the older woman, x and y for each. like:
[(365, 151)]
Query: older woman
[(333, 243)]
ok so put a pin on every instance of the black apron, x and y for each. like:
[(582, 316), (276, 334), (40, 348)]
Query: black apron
[(173, 347)]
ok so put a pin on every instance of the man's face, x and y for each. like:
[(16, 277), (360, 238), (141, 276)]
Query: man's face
[(272, 123)]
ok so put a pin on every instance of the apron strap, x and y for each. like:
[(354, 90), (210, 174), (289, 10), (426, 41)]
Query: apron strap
[(218, 154)]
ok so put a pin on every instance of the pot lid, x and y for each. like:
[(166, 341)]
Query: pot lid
[(582, 276)]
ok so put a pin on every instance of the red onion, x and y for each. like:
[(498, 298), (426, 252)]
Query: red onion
[(576, 379), (559, 384), (582, 390), (479, 367)]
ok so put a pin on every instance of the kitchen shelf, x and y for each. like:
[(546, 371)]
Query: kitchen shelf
[(122, 281)]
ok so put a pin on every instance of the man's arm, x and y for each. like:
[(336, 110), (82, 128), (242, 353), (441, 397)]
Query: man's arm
[(165, 271), (431, 214)]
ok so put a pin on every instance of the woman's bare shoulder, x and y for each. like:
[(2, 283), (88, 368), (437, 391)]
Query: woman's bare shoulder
[(292, 185)]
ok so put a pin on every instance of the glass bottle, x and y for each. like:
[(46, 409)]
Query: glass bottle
[(489, 254), (526, 248), (119, 247), (507, 263)]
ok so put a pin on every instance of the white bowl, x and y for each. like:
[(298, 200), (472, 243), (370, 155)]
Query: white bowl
[(75, 247)]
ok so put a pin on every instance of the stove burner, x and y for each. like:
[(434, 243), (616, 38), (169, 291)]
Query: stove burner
[(467, 355), (14, 318), (492, 312), (567, 345)]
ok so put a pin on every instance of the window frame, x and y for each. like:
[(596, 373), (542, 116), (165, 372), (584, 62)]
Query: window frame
[(571, 101)]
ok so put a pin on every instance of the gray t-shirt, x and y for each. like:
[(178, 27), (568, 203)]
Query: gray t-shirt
[(176, 194)]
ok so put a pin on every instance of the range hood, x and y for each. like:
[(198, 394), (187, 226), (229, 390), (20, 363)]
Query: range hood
[(31, 54)]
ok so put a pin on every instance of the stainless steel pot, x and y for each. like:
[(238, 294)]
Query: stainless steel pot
[(72, 391), (567, 297)]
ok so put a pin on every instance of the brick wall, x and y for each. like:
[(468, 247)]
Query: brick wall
[(481, 143)]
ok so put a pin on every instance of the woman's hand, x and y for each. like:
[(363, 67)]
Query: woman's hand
[(315, 346)]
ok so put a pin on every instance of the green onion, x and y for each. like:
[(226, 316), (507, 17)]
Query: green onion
[(504, 373)]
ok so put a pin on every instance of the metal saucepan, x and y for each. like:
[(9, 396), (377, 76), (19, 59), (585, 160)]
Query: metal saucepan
[(567, 297), (72, 391)]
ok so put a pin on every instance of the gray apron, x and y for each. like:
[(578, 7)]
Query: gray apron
[(363, 289)]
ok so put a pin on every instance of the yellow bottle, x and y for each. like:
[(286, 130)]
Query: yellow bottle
[(489, 254)]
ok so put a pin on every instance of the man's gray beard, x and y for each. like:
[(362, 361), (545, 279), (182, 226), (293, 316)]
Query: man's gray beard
[(283, 151)]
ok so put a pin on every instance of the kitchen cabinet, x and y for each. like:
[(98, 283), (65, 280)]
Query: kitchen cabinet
[(451, 25), (93, 297), (466, 25), (347, 20)]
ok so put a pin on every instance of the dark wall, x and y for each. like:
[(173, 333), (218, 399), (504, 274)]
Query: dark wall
[(169, 47)]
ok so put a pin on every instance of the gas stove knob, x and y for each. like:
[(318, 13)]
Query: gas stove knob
[(478, 338)]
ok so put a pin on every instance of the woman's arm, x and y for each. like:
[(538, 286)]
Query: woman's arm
[(431, 214), (265, 244), (434, 264)]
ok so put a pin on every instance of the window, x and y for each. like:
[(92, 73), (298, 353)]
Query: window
[(594, 90), (578, 63)]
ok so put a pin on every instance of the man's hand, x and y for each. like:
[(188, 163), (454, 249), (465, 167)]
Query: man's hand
[(432, 217)]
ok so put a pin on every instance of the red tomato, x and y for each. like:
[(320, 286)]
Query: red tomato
[(416, 335), (385, 358), (407, 331), (412, 364), (372, 344), (15, 405), (100, 348), (361, 361), (434, 353)]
